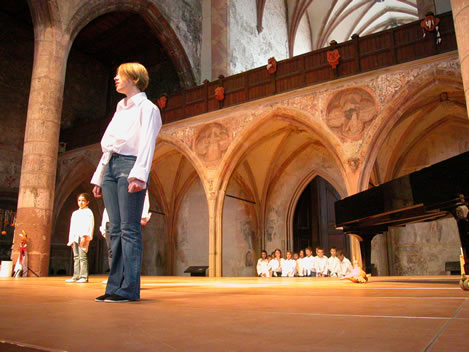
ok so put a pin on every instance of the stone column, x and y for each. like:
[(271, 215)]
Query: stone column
[(461, 22), (39, 165), (220, 37), (425, 6), (212, 238)]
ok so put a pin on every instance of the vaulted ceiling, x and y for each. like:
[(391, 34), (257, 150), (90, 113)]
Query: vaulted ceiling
[(339, 19)]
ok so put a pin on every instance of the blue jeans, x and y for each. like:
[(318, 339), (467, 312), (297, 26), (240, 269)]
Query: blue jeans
[(125, 212)]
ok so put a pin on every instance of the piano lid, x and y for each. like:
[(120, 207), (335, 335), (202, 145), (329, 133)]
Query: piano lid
[(426, 188)]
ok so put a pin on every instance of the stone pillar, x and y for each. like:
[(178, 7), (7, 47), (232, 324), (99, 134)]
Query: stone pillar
[(461, 22), (425, 6), (212, 240), (220, 37), (39, 165)]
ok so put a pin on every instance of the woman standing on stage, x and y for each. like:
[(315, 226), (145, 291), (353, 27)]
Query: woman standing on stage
[(122, 179)]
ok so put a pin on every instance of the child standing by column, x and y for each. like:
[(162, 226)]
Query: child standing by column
[(80, 236)]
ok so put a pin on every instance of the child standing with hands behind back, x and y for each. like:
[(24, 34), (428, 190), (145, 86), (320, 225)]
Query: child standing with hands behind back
[(80, 236)]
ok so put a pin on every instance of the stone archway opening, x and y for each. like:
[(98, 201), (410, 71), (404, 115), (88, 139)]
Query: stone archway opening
[(61, 257), (263, 189), (314, 219), (181, 239), (99, 48), (433, 127)]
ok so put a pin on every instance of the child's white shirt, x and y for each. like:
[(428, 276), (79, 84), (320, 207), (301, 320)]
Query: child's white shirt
[(309, 265), (299, 266), (345, 267), (288, 267), (262, 267), (81, 224), (321, 265), (275, 266), (333, 264)]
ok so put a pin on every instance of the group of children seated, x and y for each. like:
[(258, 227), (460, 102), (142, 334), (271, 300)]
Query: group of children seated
[(304, 264)]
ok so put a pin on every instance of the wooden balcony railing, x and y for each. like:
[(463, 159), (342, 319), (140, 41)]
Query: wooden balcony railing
[(394, 46), (390, 47)]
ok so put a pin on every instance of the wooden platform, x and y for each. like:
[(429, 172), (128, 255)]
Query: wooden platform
[(237, 314)]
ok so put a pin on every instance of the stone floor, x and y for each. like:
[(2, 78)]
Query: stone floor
[(237, 314)]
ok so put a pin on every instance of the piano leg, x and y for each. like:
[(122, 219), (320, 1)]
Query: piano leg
[(365, 247)]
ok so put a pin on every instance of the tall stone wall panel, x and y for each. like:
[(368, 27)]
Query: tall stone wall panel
[(248, 48)]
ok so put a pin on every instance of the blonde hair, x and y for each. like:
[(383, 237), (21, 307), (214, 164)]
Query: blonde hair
[(136, 72)]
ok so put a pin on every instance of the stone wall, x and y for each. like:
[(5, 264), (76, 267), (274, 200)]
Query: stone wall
[(192, 230), (249, 49), (155, 239), (240, 240), (185, 18), (423, 249), (16, 60), (87, 82)]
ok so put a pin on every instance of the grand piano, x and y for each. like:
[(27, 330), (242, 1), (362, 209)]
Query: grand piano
[(432, 193)]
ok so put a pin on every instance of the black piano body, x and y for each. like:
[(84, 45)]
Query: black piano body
[(438, 191)]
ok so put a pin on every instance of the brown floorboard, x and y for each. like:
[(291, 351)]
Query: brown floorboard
[(237, 314)]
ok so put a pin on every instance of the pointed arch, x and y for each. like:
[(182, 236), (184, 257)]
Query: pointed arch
[(298, 191), (397, 110), (84, 169), (241, 144), (150, 13), (298, 12)]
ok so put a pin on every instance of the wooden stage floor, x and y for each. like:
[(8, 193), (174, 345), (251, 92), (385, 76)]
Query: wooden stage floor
[(237, 314)]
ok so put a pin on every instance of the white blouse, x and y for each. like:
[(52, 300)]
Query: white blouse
[(262, 267), (132, 131), (275, 266), (288, 267), (81, 224)]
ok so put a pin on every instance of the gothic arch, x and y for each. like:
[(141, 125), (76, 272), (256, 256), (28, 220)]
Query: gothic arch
[(182, 148), (395, 165), (240, 146), (397, 110), (186, 170), (71, 182), (300, 187), (150, 13)]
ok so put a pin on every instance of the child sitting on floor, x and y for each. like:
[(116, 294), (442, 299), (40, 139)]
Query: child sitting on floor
[(321, 263), (263, 265), (333, 263), (345, 266), (309, 263), (289, 266)]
